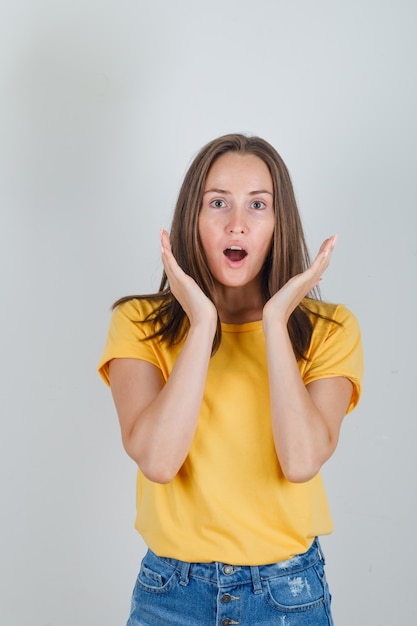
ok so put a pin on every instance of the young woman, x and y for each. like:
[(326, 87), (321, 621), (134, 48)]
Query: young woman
[(231, 384)]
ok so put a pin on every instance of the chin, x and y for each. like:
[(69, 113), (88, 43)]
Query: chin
[(238, 282)]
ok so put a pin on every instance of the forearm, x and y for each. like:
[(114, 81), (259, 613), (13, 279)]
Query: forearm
[(301, 436), (163, 432)]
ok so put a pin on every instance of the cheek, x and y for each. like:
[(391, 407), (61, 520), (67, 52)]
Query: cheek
[(202, 232), (203, 235), (268, 238), (207, 235), (265, 249), (206, 248)]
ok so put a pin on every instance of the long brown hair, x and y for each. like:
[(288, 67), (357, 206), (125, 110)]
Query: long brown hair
[(287, 256)]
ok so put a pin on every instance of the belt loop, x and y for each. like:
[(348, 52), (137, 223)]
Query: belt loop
[(256, 581), (320, 551), (185, 570)]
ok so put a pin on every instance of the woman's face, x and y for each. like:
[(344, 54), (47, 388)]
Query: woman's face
[(236, 220)]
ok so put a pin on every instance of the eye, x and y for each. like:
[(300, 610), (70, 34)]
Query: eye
[(257, 204), (218, 204)]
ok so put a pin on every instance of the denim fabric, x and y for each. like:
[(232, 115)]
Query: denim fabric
[(174, 593)]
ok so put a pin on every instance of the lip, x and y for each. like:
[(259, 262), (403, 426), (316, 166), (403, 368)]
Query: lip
[(235, 245)]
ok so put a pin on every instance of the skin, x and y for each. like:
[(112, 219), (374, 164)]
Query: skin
[(237, 209)]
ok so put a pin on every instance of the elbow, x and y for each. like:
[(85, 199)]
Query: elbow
[(304, 466), (159, 475), (300, 475), (300, 472), (153, 467)]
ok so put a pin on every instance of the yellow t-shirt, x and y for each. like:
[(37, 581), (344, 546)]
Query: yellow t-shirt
[(230, 501)]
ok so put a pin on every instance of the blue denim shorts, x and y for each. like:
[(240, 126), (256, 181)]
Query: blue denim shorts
[(175, 593)]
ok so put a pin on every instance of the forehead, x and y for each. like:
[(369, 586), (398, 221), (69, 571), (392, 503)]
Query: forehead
[(234, 169)]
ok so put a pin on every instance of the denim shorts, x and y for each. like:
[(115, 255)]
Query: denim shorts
[(175, 593)]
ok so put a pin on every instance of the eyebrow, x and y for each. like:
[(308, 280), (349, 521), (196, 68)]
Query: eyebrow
[(251, 193)]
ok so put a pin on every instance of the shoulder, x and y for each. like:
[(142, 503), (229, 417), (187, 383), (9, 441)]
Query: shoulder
[(130, 327), (328, 318), (136, 309), (335, 346), (336, 331), (133, 319)]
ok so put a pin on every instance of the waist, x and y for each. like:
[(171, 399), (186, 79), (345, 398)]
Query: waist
[(223, 573)]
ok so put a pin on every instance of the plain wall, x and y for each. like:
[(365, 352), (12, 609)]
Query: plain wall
[(103, 105)]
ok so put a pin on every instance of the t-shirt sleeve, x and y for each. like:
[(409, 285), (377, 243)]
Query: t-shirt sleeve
[(336, 350), (125, 338)]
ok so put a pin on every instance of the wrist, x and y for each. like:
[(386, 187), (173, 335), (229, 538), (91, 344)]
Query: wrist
[(272, 318), (204, 326)]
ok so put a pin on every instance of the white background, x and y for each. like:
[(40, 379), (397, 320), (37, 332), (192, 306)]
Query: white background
[(103, 105)]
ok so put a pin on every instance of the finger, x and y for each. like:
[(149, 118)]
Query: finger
[(166, 250), (168, 260), (173, 271), (322, 260), (165, 241), (328, 245), (325, 252)]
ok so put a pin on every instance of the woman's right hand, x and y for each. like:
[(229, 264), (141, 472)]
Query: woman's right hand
[(159, 417), (197, 306)]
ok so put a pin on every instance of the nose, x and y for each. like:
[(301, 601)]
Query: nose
[(237, 223)]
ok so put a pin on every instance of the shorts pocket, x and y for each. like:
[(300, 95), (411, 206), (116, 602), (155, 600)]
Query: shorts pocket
[(155, 575), (302, 591)]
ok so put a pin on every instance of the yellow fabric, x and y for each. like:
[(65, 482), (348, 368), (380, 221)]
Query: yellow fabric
[(230, 501)]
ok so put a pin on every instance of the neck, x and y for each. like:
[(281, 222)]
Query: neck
[(239, 305)]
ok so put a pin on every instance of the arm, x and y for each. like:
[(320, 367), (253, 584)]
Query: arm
[(158, 420), (305, 420)]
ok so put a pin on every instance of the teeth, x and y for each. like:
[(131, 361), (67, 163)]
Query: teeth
[(235, 248)]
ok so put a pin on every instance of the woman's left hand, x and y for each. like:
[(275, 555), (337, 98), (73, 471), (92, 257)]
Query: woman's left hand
[(285, 301)]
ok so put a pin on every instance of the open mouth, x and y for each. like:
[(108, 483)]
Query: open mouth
[(235, 253)]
